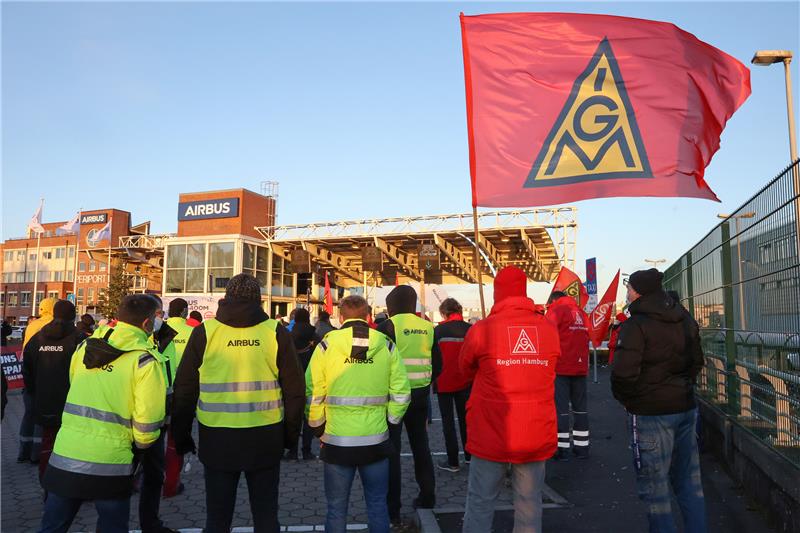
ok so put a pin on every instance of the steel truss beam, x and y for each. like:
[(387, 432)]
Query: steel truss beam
[(339, 262), (459, 260), (400, 257)]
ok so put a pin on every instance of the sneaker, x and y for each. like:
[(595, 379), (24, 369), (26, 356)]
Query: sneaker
[(444, 465), (467, 459), (308, 456)]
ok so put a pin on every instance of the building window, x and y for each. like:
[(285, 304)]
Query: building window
[(47, 254), (254, 262), (220, 263), (90, 295), (53, 294), (61, 253), (186, 268), (39, 297), (32, 257), (70, 275), (19, 277), (81, 267), (72, 252), (20, 255), (12, 299), (7, 277), (2, 299), (8, 256), (79, 298), (25, 298), (58, 276), (29, 277), (92, 266), (102, 267)]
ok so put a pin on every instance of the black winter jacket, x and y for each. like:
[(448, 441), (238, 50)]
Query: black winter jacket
[(45, 369), (657, 357), (238, 449)]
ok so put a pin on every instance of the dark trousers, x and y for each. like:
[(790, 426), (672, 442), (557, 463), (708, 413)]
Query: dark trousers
[(308, 434), (262, 485), (448, 401), (152, 482), (30, 433), (571, 398), (416, 422), (48, 440), (59, 512)]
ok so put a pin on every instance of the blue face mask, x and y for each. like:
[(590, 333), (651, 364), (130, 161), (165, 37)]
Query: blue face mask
[(157, 324)]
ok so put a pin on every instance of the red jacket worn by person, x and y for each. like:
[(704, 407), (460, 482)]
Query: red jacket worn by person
[(511, 356), (572, 322), (448, 337)]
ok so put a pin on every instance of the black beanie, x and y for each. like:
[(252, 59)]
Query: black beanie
[(64, 310), (243, 287), (646, 281), (177, 307)]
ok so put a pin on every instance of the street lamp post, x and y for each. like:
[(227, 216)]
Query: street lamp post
[(770, 57), (655, 262), (749, 214)]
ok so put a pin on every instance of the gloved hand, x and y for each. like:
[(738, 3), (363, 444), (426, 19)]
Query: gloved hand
[(185, 446)]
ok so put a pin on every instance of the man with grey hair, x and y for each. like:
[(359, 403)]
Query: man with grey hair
[(241, 374)]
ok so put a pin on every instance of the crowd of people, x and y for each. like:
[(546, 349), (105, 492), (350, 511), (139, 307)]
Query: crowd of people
[(112, 405)]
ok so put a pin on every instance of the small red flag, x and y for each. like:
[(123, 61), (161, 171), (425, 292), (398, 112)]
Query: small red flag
[(600, 317), (328, 297), (564, 106), (570, 284)]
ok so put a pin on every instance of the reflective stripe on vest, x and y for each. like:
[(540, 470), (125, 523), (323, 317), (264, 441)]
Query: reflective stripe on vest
[(366, 440), (356, 400), (87, 467), (239, 376), (414, 339)]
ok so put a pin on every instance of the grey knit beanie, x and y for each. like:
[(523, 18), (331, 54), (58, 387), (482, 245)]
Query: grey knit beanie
[(243, 287)]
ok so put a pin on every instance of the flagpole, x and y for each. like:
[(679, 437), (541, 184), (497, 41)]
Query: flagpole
[(36, 273), (77, 250), (478, 260), (594, 352)]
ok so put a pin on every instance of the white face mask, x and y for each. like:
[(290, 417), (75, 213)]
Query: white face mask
[(157, 324)]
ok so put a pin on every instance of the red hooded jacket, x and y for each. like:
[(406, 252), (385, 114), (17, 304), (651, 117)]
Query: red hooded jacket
[(512, 355), (573, 331)]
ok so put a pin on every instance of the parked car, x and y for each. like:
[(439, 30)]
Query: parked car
[(17, 333)]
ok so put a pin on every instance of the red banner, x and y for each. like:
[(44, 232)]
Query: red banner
[(564, 107), (600, 317), (12, 366), (570, 284)]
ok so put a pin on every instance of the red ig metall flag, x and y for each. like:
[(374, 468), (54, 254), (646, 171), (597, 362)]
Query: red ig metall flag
[(570, 284), (563, 107), (328, 297), (600, 317)]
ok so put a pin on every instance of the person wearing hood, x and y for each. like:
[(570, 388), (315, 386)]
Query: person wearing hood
[(303, 335), (45, 369), (153, 459), (511, 357), (86, 324), (414, 339), (656, 361), (571, 371), (30, 433), (194, 319), (114, 409), (241, 375)]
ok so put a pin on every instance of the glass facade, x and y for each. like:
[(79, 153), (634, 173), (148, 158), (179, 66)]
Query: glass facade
[(254, 262)]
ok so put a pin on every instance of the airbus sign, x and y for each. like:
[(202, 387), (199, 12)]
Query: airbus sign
[(203, 209)]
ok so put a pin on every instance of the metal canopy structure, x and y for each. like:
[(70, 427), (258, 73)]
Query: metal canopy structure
[(538, 241)]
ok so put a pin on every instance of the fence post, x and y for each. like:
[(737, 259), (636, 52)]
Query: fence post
[(727, 298)]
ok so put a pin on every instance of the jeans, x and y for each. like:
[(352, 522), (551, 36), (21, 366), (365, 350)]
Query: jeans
[(262, 485), (374, 479), (59, 512), (416, 424), (665, 455), (571, 398), (485, 481), (152, 481), (30, 433), (447, 401)]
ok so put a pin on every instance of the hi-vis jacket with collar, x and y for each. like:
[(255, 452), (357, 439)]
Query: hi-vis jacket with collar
[(355, 383), (116, 400)]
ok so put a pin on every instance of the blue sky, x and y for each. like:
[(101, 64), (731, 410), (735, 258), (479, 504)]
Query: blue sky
[(357, 109)]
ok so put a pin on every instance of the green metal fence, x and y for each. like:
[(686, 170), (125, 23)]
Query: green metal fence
[(742, 284)]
